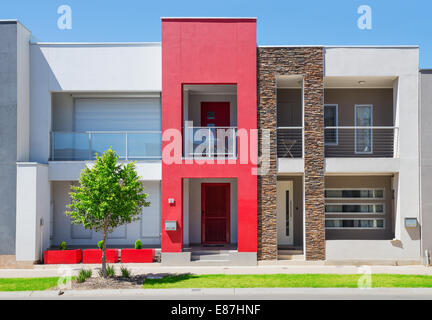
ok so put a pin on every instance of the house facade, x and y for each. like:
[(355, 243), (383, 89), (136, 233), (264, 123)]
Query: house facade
[(248, 153)]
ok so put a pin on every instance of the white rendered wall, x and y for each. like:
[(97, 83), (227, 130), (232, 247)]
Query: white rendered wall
[(403, 64), (33, 204), (85, 68), (71, 170)]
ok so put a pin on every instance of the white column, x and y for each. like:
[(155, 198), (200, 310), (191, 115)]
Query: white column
[(32, 211)]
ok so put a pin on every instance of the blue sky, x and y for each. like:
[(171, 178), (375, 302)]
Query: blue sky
[(395, 22)]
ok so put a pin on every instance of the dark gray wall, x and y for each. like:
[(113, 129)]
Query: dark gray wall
[(346, 99), (289, 102), (426, 158), (289, 108), (8, 135)]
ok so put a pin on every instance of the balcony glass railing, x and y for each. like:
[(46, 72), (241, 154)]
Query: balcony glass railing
[(134, 145), (213, 142)]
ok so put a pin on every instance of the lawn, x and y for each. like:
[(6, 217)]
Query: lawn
[(27, 284), (286, 281)]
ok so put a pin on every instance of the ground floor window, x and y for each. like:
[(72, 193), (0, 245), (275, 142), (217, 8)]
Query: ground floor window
[(354, 194), (337, 223), (336, 208), (368, 202)]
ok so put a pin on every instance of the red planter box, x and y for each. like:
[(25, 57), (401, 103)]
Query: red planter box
[(62, 256), (137, 255), (95, 256)]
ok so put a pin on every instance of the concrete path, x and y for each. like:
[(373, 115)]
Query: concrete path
[(229, 294), (156, 268)]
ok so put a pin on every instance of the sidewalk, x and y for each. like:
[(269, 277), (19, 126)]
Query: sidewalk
[(232, 294), (157, 268)]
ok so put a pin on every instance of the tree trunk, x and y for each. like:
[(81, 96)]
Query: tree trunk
[(104, 270)]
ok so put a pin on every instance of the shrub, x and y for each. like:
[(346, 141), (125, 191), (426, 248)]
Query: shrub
[(100, 244), (138, 244), (62, 245), (83, 275), (125, 272), (110, 272)]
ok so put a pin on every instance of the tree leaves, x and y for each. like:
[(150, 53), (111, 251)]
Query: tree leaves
[(109, 194)]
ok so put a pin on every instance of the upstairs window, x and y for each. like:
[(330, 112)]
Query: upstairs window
[(331, 120)]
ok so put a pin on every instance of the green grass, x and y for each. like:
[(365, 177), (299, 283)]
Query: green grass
[(27, 284), (287, 281)]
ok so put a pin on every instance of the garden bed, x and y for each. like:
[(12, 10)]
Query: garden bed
[(134, 282)]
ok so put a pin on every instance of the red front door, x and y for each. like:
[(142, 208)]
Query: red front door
[(215, 114), (215, 213)]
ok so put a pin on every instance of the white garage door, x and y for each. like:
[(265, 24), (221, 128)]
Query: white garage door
[(121, 114)]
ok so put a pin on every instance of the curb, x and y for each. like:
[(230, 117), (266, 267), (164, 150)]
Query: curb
[(260, 293)]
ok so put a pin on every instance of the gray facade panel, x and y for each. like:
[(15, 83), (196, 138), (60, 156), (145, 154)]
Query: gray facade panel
[(426, 158), (8, 136)]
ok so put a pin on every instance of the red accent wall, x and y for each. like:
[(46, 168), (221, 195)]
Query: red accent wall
[(209, 51)]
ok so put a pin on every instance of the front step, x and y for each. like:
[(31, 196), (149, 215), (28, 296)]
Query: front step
[(296, 257), (290, 251), (210, 263), (290, 254), (210, 257)]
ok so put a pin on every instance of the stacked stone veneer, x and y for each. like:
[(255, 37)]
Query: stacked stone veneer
[(307, 62)]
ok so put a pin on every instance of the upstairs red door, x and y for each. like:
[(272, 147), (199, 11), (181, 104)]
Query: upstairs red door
[(215, 213), (215, 114)]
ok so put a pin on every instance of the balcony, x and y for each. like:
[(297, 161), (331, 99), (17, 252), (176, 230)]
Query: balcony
[(80, 146), (342, 142), (210, 142), (290, 142), (361, 142)]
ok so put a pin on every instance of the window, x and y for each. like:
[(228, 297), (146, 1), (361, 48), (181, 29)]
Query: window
[(354, 223), (354, 208), (331, 120), (354, 193), (363, 136)]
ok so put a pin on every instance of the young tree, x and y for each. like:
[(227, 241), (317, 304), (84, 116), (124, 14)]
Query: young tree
[(109, 195)]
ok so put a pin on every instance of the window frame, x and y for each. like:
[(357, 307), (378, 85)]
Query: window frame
[(336, 124), (356, 212), (353, 198), (355, 130), (356, 228)]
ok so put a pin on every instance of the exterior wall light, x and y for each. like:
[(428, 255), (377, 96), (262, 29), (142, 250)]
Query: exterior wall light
[(411, 223)]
